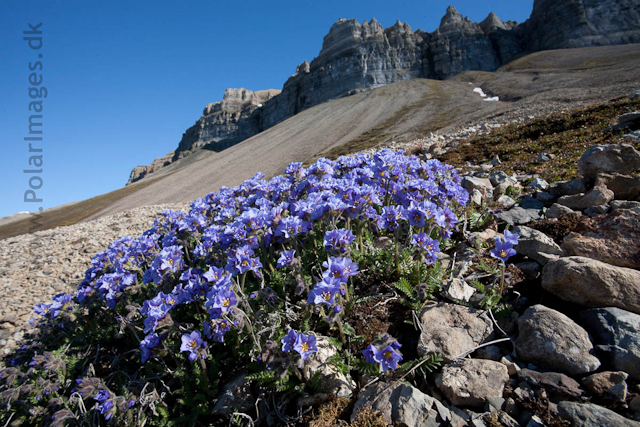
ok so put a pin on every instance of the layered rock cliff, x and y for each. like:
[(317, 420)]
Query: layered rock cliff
[(222, 124), (579, 23), (225, 123), (356, 57)]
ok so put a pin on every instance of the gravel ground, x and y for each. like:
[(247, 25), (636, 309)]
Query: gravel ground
[(35, 267)]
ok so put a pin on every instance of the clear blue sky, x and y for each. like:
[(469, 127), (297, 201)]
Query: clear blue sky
[(125, 79)]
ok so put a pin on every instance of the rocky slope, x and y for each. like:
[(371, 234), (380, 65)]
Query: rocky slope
[(399, 112), (61, 256), (358, 56), (568, 351)]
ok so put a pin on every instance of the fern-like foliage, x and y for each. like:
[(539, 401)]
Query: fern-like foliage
[(424, 365), (405, 287)]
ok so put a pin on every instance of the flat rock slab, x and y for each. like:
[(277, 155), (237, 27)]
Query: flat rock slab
[(613, 238), (590, 415), (549, 338), (617, 332), (401, 403), (452, 329), (471, 381), (536, 245), (608, 158), (519, 216), (593, 283), (554, 382)]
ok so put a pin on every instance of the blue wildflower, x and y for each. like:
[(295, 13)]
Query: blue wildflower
[(305, 345), (286, 258), (503, 250), (193, 344), (289, 340)]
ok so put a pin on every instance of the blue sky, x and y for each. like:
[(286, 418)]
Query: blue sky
[(125, 79)]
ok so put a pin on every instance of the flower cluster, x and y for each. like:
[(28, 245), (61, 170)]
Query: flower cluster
[(384, 352), (305, 345), (61, 303), (201, 265)]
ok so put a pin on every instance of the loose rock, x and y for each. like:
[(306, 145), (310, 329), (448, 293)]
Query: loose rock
[(624, 187), (554, 382), (471, 381), (617, 333), (548, 337), (452, 329), (536, 245), (611, 384), (333, 382), (568, 188), (590, 415), (612, 238), (557, 210), (597, 196), (519, 216), (483, 185), (618, 158), (401, 403), (592, 283)]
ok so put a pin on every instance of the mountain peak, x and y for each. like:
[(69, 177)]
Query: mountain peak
[(492, 23), (451, 16)]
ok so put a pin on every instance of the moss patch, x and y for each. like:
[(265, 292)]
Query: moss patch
[(567, 135)]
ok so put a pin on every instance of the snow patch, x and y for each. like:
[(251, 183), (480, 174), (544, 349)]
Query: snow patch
[(480, 92)]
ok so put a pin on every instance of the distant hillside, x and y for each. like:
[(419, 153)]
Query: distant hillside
[(402, 111), (356, 57)]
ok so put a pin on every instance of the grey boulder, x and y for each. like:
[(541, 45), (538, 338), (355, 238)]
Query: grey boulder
[(590, 415), (549, 338), (608, 158), (536, 245), (592, 283), (617, 333), (471, 382)]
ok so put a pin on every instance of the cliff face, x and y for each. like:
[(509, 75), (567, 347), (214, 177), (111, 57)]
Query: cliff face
[(225, 123), (356, 57), (579, 23), (458, 45)]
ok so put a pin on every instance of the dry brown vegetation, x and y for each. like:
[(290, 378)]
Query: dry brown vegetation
[(566, 135)]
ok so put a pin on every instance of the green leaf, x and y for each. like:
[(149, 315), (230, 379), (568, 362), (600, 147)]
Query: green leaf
[(348, 329), (405, 287)]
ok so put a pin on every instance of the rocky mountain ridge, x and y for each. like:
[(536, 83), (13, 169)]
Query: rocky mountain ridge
[(356, 57)]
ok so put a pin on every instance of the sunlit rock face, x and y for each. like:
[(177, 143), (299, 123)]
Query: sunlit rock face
[(356, 57), (580, 23)]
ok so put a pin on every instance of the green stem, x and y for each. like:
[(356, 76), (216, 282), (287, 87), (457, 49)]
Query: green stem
[(203, 366), (502, 279), (339, 322), (397, 244)]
